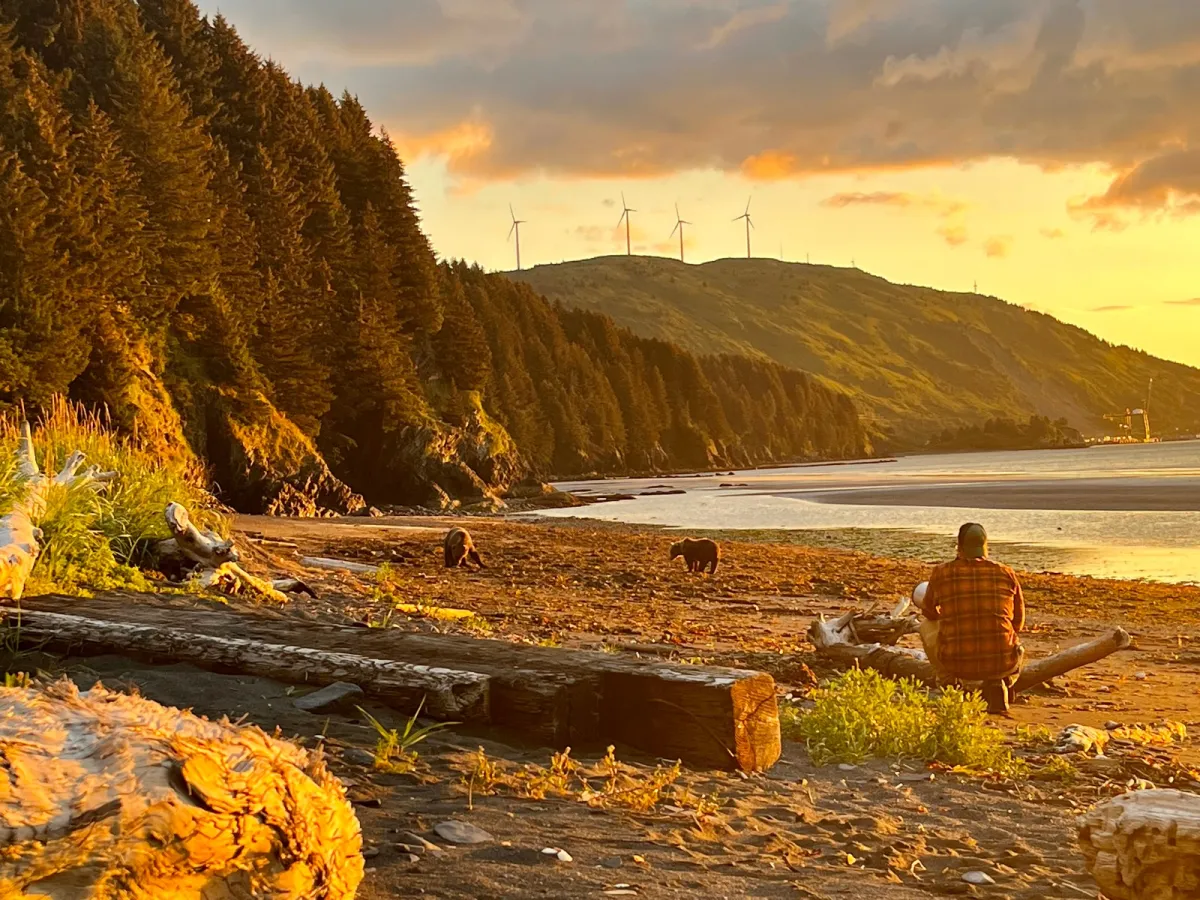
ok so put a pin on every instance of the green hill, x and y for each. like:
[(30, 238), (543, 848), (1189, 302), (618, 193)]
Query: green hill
[(917, 360)]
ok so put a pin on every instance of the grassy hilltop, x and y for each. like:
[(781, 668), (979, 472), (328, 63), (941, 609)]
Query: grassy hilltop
[(916, 359)]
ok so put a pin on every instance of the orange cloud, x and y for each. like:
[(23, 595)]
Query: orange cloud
[(1195, 301), (1113, 308), (998, 247), (1165, 185), (771, 165), (934, 202), (954, 235), (1053, 234)]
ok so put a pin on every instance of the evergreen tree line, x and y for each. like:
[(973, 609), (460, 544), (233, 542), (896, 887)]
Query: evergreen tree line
[(184, 229), (1008, 434)]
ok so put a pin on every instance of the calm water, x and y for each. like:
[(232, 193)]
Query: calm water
[(1129, 511)]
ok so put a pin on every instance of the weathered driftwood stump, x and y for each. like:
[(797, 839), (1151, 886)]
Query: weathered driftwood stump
[(213, 561), (19, 535), (1144, 845), (104, 795), (862, 639)]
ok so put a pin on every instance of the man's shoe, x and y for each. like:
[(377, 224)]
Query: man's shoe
[(995, 693)]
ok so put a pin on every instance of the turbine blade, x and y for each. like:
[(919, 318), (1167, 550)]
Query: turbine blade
[(511, 213), (751, 197), (673, 230), (511, 230)]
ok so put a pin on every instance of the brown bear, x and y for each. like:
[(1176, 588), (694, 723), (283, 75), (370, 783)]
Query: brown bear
[(458, 547), (699, 554)]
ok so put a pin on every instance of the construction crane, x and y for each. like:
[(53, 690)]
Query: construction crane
[(1125, 420)]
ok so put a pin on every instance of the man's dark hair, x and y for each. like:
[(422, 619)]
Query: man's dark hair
[(972, 540)]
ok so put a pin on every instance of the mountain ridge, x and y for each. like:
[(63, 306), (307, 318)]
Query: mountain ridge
[(915, 359)]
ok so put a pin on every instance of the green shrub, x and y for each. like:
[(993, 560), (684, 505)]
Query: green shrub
[(862, 715), (92, 539)]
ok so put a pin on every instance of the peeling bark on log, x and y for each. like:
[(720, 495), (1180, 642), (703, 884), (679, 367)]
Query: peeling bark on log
[(19, 536), (447, 693), (836, 640), (106, 795), (1144, 845)]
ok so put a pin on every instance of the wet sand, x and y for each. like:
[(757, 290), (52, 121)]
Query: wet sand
[(1176, 494)]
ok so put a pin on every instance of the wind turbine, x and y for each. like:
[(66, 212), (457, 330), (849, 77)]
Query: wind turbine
[(749, 225), (625, 211), (679, 223), (516, 229)]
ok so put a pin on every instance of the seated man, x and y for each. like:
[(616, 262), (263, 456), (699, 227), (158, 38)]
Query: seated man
[(975, 611)]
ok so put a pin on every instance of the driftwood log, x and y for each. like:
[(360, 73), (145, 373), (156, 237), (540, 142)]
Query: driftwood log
[(19, 534), (447, 693), (106, 795), (841, 640), (213, 560), (1144, 845), (709, 717)]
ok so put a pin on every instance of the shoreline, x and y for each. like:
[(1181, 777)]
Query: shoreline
[(884, 544)]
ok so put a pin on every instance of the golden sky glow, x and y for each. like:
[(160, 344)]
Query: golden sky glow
[(1047, 149)]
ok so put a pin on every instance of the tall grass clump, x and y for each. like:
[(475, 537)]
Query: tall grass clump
[(92, 539), (862, 715)]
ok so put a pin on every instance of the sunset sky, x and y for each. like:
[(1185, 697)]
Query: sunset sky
[(1048, 149)]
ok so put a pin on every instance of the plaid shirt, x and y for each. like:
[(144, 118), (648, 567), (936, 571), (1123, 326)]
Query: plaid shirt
[(981, 609)]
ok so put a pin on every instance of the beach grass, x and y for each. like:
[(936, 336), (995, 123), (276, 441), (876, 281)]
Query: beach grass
[(91, 539), (862, 715)]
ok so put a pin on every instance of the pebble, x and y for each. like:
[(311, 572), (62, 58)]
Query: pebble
[(411, 858), (370, 852), (612, 862), (562, 855), (1141, 676), (846, 767), (462, 833), (357, 757), (978, 878), (340, 695), (1111, 726)]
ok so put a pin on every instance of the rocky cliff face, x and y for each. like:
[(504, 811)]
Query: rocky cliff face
[(208, 405), (472, 462)]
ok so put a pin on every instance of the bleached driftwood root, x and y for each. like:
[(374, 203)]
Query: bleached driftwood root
[(840, 640), (19, 535), (216, 560), (1144, 845), (105, 795), (205, 548)]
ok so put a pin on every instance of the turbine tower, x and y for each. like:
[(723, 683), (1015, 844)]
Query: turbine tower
[(679, 223), (516, 229), (749, 225), (625, 211)]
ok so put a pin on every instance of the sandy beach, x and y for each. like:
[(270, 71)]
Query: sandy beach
[(880, 830)]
